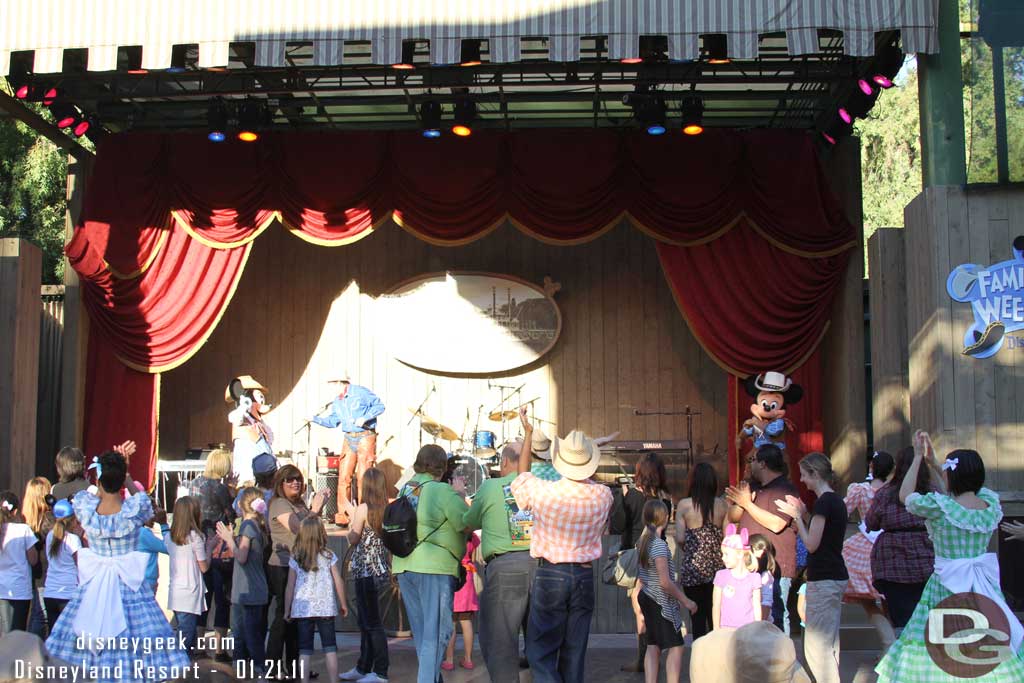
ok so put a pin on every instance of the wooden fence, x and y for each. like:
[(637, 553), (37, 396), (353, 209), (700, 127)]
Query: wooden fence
[(51, 335)]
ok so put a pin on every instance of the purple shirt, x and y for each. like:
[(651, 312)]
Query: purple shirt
[(737, 597)]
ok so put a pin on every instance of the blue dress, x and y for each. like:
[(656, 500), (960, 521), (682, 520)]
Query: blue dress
[(155, 656)]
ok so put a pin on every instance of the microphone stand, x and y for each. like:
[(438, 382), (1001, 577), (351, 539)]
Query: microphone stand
[(419, 412), (308, 426)]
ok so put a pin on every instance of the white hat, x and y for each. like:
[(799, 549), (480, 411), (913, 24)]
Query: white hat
[(772, 381), (540, 444), (577, 456), (341, 377)]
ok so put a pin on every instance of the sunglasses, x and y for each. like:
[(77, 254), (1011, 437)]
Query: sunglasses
[(293, 480)]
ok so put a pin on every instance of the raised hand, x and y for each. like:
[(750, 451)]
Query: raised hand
[(225, 532), (127, 449), (739, 495)]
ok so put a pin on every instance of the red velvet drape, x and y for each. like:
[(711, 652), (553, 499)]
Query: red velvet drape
[(168, 222)]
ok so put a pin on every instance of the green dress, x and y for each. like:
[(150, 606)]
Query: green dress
[(956, 533)]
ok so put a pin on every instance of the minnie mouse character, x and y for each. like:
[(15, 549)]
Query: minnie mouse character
[(773, 391), (250, 435)]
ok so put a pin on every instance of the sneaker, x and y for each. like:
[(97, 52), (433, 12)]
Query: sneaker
[(372, 678), (352, 674)]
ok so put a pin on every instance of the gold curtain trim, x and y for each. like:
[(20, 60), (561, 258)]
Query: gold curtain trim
[(156, 369), (161, 241), (526, 230), (718, 361), (196, 235), (156, 431), (335, 243), (447, 243)]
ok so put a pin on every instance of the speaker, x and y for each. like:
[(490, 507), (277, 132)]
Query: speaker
[(328, 480)]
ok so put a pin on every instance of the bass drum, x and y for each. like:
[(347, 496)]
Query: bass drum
[(473, 472)]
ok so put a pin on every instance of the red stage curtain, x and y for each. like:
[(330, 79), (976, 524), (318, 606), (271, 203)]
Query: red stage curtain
[(169, 219)]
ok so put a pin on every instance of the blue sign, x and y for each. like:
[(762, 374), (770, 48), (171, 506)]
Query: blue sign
[(996, 296)]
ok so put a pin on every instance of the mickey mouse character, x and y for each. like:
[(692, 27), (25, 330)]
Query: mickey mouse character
[(773, 391), (250, 435)]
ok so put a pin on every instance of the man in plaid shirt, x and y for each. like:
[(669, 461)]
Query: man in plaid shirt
[(569, 517)]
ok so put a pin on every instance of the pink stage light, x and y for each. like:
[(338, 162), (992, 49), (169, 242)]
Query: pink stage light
[(82, 128), (845, 115), (882, 81), (865, 87), (22, 92), (828, 138)]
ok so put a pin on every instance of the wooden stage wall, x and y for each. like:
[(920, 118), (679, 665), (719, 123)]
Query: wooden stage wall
[(304, 312)]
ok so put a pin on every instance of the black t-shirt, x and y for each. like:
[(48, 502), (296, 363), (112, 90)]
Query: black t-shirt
[(826, 563)]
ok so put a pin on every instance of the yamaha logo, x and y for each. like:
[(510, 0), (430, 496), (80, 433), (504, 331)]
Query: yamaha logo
[(968, 635)]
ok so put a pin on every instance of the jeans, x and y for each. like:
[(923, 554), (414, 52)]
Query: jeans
[(37, 620), (250, 632), (900, 599), (18, 611), (283, 644), (561, 605), (504, 604), (428, 600), (187, 625), (373, 643), (821, 635), (308, 627), (703, 595), (780, 604), (54, 607), (218, 585)]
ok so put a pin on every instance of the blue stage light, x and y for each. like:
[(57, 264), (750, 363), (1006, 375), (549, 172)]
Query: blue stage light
[(215, 136), (656, 129), (431, 133)]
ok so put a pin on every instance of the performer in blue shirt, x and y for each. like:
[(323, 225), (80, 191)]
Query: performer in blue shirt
[(355, 410)]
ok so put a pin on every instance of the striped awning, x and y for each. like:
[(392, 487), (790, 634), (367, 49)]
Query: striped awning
[(48, 27)]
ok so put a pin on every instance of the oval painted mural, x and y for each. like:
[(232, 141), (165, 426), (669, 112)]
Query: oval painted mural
[(470, 323)]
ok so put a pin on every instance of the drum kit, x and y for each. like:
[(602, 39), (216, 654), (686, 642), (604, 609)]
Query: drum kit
[(476, 450)]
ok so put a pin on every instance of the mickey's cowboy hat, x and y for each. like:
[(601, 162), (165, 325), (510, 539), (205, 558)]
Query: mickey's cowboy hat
[(341, 378), (576, 457), (240, 384)]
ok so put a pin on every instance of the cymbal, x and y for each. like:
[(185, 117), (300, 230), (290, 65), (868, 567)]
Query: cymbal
[(502, 415), (438, 430)]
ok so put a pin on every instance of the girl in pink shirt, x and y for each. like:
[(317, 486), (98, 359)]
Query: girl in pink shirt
[(737, 596)]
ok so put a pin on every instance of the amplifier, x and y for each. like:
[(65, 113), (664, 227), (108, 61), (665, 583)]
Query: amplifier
[(329, 480), (325, 463)]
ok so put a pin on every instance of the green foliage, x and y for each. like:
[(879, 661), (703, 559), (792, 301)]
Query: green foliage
[(890, 148), (32, 180)]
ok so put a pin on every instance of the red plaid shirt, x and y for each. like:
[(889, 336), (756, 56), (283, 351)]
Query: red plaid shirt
[(903, 553), (568, 516)]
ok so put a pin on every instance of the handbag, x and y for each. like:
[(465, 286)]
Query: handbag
[(620, 568)]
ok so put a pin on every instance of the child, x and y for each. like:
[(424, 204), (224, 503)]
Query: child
[(660, 596), (764, 555), (35, 509), (18, 555), (249, 592), (62, 545), (186, 594), (465, 604), (153, 545), (369, 570), (312, 572), (736, 600)]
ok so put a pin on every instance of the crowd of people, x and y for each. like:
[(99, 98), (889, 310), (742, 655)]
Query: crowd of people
[(733, 572)]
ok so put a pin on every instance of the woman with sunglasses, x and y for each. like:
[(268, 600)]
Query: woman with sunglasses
[(287, 510)]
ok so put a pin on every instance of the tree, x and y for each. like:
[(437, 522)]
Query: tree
[(32, 181)]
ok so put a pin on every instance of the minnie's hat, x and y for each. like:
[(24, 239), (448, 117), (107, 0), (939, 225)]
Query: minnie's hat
[(736, 540)]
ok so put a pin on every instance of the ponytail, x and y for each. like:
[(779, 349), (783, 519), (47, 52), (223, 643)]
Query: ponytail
[(655, 515), (60, 532)]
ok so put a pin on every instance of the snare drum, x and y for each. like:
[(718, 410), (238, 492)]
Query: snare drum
[(483, 444)]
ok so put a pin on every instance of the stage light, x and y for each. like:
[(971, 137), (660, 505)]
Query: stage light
[(845, 115), (82, 127), (888, 61), (50, 96), (470, 53), (631, 60), (22, 92), (64, 114), (652, 50), (865, 87), (828, 138), (430, 119), (465, 114), (716, 49), (408, 55), (251, 115), (860, 101), (693, 116), (836, 130), (217, 120)]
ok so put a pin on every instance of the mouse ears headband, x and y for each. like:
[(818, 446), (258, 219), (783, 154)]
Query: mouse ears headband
[(737, 540)]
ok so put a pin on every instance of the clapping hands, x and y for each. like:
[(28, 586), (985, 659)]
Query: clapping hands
[(225, 532), (792, 506)]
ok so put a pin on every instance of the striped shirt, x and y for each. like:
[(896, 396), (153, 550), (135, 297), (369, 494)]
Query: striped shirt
[(568, 516), (648, 575)]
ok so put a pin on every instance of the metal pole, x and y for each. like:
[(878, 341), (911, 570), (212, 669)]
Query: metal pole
[(940, 94)]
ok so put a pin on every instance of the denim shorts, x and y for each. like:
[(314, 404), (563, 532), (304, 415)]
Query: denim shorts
[(308, 626)]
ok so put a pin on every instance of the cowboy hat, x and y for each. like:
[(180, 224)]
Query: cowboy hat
[(239, 384), (540, 444), (344, 377), (576, 457), (772, 381)]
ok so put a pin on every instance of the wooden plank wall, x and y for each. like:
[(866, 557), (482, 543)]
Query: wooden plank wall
[(20, 275), (845, 400), (889, 345), (303, 312), (51, 331), (963, 402)]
